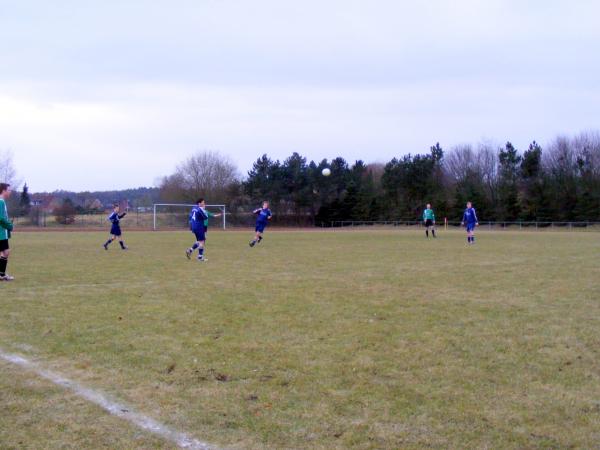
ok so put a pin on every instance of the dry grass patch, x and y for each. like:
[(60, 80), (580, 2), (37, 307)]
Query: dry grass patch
[(328, 340)]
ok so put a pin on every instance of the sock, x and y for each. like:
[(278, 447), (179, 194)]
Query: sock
[(469, 239), (201, 253), (259, 238), (472, 238), (433, 233), (3, 263), (122, 244), (107, 243), (195, 246), (427, 233)]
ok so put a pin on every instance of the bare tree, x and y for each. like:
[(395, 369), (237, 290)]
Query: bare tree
[(8, 174), (208, 174), (586, 147), (487, 162), (560, 157), (460, 161)]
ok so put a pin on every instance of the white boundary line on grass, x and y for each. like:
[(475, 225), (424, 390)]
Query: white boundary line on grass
[(120, 410)]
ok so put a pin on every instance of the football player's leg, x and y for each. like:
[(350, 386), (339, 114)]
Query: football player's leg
[(4, 254)]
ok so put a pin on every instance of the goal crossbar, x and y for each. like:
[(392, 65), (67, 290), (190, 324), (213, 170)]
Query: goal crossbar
[(222, 208)]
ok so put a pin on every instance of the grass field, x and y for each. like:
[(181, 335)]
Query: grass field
[(310, 340)]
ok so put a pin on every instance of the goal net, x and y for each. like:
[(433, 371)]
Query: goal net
[(176, 215)]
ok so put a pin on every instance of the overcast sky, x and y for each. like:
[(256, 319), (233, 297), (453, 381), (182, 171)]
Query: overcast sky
[(114, 94)]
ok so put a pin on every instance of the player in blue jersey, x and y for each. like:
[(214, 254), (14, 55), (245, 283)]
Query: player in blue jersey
[(198, 216), (264, 215), (470, 221), (115, 229)]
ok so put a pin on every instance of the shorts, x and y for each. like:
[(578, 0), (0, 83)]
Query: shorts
[(4, 245), (429, 223), (200, 235), (115, 231), (260, 227), (470, 227)]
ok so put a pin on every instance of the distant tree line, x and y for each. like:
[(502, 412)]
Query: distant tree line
[(89, 201), (558, 183)]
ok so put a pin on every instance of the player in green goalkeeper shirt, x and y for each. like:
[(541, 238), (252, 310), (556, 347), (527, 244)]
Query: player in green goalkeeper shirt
[(6, 227), (208, 215), (429, 221)]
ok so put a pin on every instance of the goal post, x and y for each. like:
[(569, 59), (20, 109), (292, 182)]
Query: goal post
[(185, 209)]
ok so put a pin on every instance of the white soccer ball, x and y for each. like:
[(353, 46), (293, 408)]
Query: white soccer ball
[(326, 172)]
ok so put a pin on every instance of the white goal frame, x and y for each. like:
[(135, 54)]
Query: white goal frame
[(222, 208)]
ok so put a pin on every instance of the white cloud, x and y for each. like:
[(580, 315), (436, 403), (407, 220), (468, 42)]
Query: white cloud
[(117, 94)]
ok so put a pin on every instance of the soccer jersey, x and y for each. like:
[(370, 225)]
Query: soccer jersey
[(208, 214), (197, 218), (428, 214), (115, 218), (470, 217), (3, 220), (263, 215)]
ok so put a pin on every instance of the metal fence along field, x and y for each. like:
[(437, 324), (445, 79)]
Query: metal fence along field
[(562, 226), (179, 220)]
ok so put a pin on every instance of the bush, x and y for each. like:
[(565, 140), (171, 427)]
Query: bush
[(65, 214)]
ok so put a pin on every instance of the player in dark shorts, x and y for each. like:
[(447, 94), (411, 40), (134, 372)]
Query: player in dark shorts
[(429, 221), (470, 221), (198, 217), (115, 229), (6, 227), (264, 215)]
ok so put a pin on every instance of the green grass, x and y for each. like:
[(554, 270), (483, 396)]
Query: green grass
[(325, 340)]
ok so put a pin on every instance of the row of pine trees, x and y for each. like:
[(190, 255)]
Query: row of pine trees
[(557, 183)]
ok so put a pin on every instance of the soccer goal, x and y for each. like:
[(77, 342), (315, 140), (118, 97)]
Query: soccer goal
[(175, 215)]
